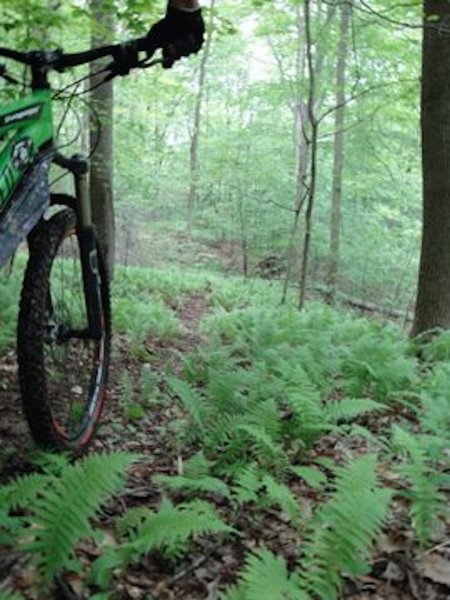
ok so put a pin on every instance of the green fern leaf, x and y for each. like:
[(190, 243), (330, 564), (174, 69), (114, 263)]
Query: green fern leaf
[(10, 596), (281, 495), (23, 491), (351, 408), (207, 484), (192, 401), (342, 530), (169, 529), (247, 485), (265, 577), (62, 512), (428, 503), (313, 476)]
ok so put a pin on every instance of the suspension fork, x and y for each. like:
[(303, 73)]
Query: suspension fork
[(78, 165)]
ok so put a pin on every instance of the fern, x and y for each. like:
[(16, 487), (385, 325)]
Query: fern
[(23, 491), (197, 478), (351, 408), (248, 482), (265, 577), (206, 484), (279, 494), (192, 401), (169, 529), (342, 530), (10, 596), (303, 398), (313, 476), (428, 504), (62, 511)]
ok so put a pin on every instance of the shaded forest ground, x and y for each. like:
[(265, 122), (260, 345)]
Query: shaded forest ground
[(139, 417)]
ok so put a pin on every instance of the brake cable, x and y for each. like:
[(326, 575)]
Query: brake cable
[(6, 76)]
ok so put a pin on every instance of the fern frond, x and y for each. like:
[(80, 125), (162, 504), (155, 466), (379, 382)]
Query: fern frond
[(343, 529), (198, 466), (265, 577), (207, 484), (191, 400), (351, 408), (169, 529), (312, 475), (279, 494), (62, 511), (23, 491), (261, 444), (10, 596), (303, 398), (428, 504), (264, 415), (247, 484)]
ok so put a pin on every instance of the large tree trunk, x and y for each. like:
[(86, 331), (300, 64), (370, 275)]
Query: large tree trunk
[(194, 160), (338, 165), (101, 177), (433, 297)]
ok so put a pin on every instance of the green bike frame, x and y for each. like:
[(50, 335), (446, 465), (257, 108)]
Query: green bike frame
[(26, 131), (29, 124)]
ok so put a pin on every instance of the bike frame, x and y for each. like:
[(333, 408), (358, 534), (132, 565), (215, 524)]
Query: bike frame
[(26, 127), (28, 124)]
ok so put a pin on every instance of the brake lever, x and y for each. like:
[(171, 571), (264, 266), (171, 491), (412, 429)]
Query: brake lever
[(115, 71)]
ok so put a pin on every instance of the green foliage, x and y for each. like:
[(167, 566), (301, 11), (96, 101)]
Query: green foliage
[(196, 479), (267, 384), (9, 301), (169, 529), (265, 577), (142, 320), (10, 596), (338, 541), (61, 506), (427, 503), (22, 491), (343, 529)]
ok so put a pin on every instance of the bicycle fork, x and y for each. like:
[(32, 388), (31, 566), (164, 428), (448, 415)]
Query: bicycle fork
[(78, 165)]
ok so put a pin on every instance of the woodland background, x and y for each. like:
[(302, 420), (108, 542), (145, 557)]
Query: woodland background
[(271, 453)]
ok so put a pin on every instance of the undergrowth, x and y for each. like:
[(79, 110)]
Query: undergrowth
[(263, 406)]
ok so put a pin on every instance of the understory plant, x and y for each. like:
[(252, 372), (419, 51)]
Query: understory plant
[(338, 540)]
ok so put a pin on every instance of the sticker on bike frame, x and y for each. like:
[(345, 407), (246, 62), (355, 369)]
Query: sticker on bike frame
[(21, 157), (20, 115), (22, 153)]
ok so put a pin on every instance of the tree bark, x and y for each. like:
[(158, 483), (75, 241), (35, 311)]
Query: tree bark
[(338, 165), (194, 159), (311, 191), (433, 296), (101, 143)]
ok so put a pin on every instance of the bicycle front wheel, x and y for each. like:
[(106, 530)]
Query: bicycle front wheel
[(63, 369)]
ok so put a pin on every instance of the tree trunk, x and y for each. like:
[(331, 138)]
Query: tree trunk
[(338, 166), (194, 160), (311, 191), (101, 143), (433, 297)]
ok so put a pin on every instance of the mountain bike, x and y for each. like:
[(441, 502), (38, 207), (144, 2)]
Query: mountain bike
[(64, 322)]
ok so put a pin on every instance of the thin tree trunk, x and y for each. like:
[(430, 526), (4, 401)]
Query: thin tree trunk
[(304, 130), (433, 297), (194, 159), (101, 143), (313, 166), (338, 166)]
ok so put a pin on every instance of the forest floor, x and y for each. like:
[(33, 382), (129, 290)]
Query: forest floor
[(397, 574)]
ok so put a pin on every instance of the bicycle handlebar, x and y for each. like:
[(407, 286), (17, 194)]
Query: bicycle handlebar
[(59, 61)]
